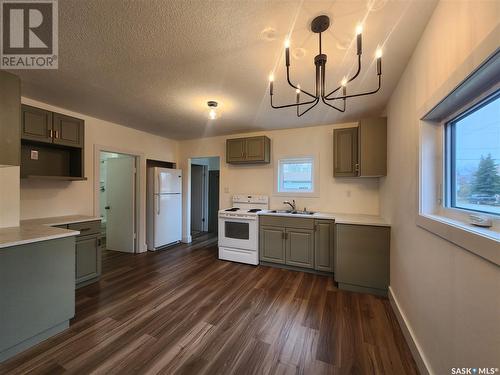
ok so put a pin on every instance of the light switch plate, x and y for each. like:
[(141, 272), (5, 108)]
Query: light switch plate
[(34, 155)]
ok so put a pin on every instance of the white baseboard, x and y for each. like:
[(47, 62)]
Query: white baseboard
[(416, 350)]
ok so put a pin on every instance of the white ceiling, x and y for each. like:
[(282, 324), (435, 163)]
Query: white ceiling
[(153, 64)]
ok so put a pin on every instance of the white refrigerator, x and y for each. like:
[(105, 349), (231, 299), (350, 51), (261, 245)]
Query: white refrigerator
[(164, 207)]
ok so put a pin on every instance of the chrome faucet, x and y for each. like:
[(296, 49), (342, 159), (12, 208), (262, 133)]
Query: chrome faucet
[(291, 204)]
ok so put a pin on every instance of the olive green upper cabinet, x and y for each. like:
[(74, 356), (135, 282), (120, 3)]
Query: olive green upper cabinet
[(68, 131), (10, 119), (36, 124), (48, 127), (361, 151), (235, 150), (251, 150), (323, 245), (345, 152)]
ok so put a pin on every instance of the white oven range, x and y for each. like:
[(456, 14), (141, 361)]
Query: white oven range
[(239, 229)]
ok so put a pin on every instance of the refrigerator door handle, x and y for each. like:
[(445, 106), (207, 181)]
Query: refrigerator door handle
[(159, 204), (159, 183)]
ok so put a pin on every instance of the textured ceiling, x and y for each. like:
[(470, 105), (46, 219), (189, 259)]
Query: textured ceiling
[(153, 64)]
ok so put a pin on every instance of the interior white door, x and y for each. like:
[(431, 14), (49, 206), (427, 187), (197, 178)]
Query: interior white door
[(168, 219), (120, 185)]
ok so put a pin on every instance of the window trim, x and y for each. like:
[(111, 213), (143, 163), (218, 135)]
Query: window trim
[(315, 176), (477, 74), (449, 149)]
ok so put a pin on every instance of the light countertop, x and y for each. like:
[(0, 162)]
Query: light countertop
[(357, 219), (36, 230), (60, 220)]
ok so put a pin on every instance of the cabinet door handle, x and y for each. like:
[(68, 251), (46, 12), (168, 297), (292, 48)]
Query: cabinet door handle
[(56, 134), (51, 133), (356, 167)]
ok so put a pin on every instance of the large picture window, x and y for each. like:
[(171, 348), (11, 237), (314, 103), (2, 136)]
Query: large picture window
[(473, 157), (296, 175)]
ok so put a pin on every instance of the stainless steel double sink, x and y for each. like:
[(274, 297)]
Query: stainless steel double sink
[(293, 212)]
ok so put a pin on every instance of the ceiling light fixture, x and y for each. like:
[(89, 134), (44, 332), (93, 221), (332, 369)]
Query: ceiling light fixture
[(319, 25), (212, 113)]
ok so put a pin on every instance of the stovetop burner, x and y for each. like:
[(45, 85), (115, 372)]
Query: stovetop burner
[(232, 209), (253, 210)]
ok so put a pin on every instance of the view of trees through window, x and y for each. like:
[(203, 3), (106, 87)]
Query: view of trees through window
[(475, 166)]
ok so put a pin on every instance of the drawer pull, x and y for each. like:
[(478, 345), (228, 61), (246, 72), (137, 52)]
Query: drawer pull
[(84, 229)]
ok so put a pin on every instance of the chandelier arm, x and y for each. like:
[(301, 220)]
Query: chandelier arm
[(362, 94), (330, 105), (349, 80), (291, 105), (318, 80), (295, 87), (308, 109)]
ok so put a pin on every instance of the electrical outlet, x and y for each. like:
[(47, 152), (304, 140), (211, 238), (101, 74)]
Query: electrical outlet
[(34, 155)]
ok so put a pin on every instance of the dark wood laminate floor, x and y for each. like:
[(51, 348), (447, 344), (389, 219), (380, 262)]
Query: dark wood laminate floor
[(184, 311)]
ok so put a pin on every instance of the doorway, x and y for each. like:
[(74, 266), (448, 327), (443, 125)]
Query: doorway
[(117, 200), (205, 174)]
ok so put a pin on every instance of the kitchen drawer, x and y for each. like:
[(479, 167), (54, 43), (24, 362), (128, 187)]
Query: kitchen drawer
[(87, 227), (287, 221)]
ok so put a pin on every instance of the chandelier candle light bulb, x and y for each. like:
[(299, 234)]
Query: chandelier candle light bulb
[(271, 81), (287, 52), (378, 55), (344, 86), (359, 31)]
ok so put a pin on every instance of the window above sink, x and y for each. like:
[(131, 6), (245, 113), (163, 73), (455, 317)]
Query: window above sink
[(296, 176)]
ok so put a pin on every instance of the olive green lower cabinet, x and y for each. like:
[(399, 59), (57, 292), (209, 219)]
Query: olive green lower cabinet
[(37, 293), (87, 252), (362, 258), (297, 242), (272, 244)]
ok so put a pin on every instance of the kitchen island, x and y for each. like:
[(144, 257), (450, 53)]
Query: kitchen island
[(37, 281)]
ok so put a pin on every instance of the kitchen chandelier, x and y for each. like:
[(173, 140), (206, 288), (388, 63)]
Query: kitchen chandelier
[(319, 25)]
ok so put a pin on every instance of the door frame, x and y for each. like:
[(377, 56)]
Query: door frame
[(186, 228), (204, 198), (139, 205)]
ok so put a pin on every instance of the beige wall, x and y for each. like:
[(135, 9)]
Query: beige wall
[(450, 297), (9, 196), (42, 198), (343, 195)]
